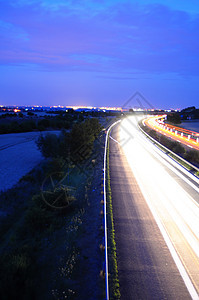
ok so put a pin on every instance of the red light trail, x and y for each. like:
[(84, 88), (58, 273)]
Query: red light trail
[(184, 136)]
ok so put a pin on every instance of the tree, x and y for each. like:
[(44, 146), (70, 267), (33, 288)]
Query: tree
[(82, 138), (48, 145), (174, 118)]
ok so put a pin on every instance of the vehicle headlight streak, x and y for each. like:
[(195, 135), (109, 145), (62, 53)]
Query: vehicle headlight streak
[(171, 203), (181, 135)]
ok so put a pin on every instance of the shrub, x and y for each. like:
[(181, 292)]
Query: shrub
[(56, 165), (3, 128), (44, 123), (178, 148), (192, 156), (48, 145), (82, 138), (27, 126), (165, 142), (174, 118), (37, 218), (16, 272)]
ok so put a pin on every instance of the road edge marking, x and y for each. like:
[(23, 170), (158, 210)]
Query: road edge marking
[(188, 283), (105, 219)]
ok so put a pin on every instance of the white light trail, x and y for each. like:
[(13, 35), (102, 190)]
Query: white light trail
[(175, 211)]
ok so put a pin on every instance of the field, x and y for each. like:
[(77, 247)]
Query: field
[(191, 125), (18, 155), (47, 253)]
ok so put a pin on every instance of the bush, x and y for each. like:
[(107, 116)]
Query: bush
[(16, 271), (82, 138), (44, 123), (165, 142), (37, 219), (192, 156), (3, 128), (178, 148), (27, 126), (59, 198), (15, 127), (48, 145), (56, 165), (174, 118), (30, 113)]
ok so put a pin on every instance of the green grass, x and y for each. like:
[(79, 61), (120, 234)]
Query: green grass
[(112, 254), (184, 164)]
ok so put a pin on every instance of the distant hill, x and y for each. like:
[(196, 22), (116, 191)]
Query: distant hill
[(189, 113)]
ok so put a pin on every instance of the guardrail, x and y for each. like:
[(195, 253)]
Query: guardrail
[(105, 220), (168, 150)]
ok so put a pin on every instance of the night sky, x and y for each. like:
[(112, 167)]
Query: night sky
[(99, 53)]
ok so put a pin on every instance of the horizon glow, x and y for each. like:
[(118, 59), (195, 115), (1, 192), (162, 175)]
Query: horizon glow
[(90, 53)]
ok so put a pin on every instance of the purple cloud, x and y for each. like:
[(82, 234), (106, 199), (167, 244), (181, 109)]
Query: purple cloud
[(150, 38)]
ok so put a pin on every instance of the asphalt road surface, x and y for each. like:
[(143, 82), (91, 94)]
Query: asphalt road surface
[(176, 133), (156, 217)]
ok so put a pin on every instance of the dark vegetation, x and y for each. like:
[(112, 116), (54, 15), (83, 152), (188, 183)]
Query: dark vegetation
[(55, 120), (189, 113), (190, 155), (174, 118), (13, 123), (112, 254), (76, 145), (43, 246)]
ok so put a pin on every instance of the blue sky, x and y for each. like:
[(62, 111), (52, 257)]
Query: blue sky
[(99, 52)]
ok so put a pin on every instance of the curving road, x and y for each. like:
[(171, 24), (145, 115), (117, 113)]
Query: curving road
[(184, 136), (156, 216)]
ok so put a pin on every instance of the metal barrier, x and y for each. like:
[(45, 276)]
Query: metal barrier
[(169, 151)]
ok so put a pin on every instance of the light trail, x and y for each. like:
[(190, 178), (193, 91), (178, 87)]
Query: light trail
[(175, 211), (184, 136)]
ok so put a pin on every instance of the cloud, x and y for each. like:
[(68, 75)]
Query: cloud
[(115, 36), (11, 31), (95, 6), (74, 6)]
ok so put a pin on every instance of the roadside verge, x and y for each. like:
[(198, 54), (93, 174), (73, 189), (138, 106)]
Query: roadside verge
[(111, 272), (194, 170)]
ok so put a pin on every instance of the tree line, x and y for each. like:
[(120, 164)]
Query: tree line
[(31, 125)]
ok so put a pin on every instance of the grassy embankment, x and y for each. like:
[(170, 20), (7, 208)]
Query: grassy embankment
[(31, 250), (112, 254), (43, 248)]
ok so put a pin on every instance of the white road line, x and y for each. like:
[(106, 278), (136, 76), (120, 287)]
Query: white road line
[(105, 221), (114, 139), (182, 270), (188, 283)]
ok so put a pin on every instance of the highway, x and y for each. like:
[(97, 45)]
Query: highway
[(184, 136), (156, 217)]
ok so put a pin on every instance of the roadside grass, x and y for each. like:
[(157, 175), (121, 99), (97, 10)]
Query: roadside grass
[(49, 253), (189, 156), (27, 235), (41, 249), (184, 164), (31, 227), (112, 253)]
